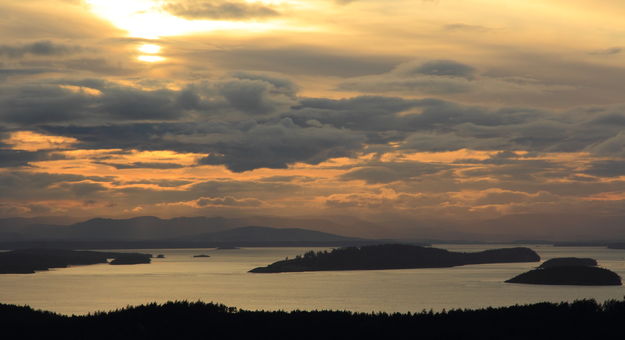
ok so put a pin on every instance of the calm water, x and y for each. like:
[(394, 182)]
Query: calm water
[(223, 278)]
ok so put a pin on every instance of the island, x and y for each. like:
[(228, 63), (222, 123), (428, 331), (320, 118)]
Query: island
[(201, 255), (394, 256), (160, 256), (132, 259), (568, 261), (569, 275), (28, 261), (569, 271)]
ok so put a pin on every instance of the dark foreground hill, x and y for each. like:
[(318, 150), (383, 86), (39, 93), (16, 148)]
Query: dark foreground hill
[(395, 256), (584, 319)]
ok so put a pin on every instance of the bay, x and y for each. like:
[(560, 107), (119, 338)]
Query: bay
[(223, 278)]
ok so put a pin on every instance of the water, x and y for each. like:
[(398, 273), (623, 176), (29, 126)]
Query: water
[(223, 278)]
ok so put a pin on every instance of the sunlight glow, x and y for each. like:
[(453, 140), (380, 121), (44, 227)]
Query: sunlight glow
[(33, 141), (149, 48), (147, 19), (150, 58)]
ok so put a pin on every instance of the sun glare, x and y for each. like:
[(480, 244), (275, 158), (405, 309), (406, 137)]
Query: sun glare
[(147, 19), (150, 58), (149, 48)]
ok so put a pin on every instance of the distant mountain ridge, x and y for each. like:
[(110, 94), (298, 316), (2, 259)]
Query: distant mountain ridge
[(149, 231)]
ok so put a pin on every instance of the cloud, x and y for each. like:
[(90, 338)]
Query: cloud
[(19, 158), (22, 185), (275, 145), (607, 51), (220, 10), (607, 168), (432, 77), (465, 28), (143, 165), (249, 121), (296, 60), (39, 48), (440, 68), (228, 201), (453, 79), (391, 172), (258, 94)]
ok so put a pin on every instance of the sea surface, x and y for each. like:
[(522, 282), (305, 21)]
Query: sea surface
[(223, 278)]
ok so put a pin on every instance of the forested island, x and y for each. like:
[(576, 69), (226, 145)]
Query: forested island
[(568, 262), (585, 319), (132, 259), (394, 256), (569, 271), (28, 261)]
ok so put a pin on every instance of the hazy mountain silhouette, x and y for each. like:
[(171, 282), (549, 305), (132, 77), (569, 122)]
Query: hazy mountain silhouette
[(153, 232), (266, 234)]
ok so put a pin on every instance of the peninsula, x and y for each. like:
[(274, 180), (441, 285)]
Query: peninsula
[(28, 261), (394, 256)]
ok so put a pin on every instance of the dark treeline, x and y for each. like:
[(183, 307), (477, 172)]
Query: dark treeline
[(585, 319), (395, 256)]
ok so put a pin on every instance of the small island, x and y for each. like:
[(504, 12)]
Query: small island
[(394, 256), (132, 259), (160, 256), (568, 261), (201, 255), (28, 261), (569, 271)]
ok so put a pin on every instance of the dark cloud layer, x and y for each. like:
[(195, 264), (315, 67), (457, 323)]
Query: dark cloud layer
[(220, 10), (39, 48), (250, 121)]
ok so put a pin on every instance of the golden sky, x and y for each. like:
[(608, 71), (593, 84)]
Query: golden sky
[(414, 115)]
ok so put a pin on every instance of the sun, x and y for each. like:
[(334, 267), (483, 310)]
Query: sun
[(149, 48)]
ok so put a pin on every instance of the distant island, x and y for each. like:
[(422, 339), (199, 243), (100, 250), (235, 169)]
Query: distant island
[(227, 248), (569, 271), (584, 319), (132, 259), (201, 255), (395, 256), (28, 261)]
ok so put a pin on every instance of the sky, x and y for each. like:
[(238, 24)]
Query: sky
[(419, 116)]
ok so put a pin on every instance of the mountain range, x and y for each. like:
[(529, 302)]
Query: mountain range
[(149, 231)]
